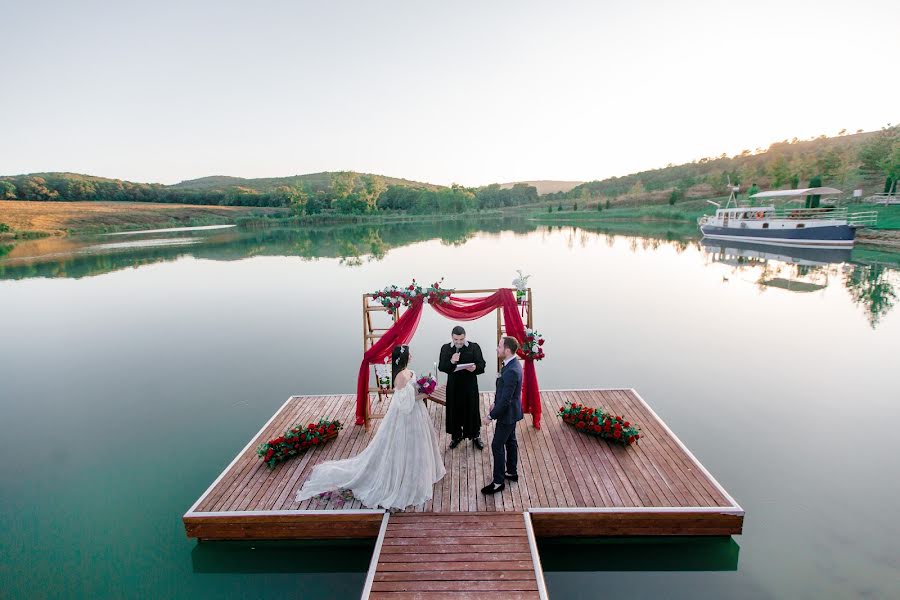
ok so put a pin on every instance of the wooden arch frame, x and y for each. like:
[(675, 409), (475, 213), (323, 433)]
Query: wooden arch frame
[(371, 334)]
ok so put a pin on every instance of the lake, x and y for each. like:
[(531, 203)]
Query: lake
[(134, 368)]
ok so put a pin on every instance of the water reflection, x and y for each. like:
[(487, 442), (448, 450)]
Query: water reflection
[(871, 284), (337, 556), (640, 554), (870, 276)]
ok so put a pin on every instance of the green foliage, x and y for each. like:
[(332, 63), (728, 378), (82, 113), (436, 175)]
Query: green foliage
[(493, 196), (813, 201), (780, 172), (7, 190), (4, 228), (575, 206), (599, 206)]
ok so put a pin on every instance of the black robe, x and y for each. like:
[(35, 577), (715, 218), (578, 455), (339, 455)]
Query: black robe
[(463, 411)]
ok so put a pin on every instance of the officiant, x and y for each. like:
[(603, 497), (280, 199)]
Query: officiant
[(462, 361)]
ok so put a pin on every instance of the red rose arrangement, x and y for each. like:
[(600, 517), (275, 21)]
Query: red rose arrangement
[(296, 439), (595, 421), (393, 297), (533, 346)]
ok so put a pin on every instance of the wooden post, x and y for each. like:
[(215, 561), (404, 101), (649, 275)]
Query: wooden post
[(499, 335), (530, 305)]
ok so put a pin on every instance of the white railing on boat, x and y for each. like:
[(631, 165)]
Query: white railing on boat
[(856, 219)]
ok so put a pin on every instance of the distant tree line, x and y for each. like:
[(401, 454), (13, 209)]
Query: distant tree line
[(341, 192)]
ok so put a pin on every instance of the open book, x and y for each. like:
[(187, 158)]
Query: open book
[(463, 366)]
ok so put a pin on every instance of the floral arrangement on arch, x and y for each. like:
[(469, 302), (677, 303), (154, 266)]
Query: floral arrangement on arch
[(296, 439), (533, 346), (521, 283), (383, 375), (596, 421), (393, 297)]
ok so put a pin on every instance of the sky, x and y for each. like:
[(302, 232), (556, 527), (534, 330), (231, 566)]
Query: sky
[(444, 92)]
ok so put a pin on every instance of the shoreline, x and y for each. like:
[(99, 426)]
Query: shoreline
[(36, 220)]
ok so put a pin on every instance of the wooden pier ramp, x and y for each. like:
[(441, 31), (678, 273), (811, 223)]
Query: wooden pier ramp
[(455, 555)]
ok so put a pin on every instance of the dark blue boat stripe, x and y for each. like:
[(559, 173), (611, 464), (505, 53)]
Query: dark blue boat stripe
[(831, 233)]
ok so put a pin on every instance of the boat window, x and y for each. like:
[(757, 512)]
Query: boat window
[(765, 225), (800, 225)]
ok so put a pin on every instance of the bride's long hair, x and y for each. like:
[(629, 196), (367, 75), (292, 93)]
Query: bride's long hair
[(399, 360)]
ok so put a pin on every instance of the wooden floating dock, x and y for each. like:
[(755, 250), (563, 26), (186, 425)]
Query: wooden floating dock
[(570, 485)]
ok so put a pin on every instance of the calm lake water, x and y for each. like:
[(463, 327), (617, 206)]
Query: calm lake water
[(132, 373)]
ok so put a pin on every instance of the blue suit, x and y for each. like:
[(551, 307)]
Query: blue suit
[(507, 411)]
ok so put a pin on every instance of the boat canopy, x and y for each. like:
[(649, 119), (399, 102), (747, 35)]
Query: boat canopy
[(819, 191)]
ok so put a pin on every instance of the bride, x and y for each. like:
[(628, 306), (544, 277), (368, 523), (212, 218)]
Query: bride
[(400, 465)]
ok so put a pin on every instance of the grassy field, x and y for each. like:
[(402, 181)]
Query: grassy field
[(27, 219)]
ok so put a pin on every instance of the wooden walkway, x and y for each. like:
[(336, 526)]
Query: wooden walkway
[(570, 484), (455, 555)]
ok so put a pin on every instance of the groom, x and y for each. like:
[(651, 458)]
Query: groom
[(507, 410)]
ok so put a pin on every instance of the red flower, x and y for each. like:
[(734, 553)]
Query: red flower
[(541, 342), (617, 434), (627, 424), (579, 425)]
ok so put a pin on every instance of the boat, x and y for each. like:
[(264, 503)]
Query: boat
[(825, 227)]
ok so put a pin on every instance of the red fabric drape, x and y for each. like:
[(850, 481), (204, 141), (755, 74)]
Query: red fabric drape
[(399, 334), (458, 309)]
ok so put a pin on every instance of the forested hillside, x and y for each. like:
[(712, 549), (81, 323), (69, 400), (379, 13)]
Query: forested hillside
[(869, 159)]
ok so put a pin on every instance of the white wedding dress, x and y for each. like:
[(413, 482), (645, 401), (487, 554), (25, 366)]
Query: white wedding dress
[(397, 469)]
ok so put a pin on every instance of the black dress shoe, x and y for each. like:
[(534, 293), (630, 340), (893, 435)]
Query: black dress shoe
[(478, 443), (455, 443), (492, 489), (513, 477)]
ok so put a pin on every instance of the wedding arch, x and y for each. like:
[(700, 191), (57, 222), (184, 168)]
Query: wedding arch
[(461, 305)]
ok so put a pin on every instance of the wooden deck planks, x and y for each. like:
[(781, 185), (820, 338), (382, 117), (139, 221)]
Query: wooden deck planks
[(559, 468)]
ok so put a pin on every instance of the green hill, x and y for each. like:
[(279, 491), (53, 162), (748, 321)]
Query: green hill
[(870, 160), (317, 181), (322, 188)]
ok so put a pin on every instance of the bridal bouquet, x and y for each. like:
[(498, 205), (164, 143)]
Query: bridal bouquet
[(297, 439), (596, 421), (426, 384)]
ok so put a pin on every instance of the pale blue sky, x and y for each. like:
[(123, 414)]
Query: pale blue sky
[(468, 92)]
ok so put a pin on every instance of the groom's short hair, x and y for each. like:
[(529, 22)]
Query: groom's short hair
[(458, 330), (511, 343)]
